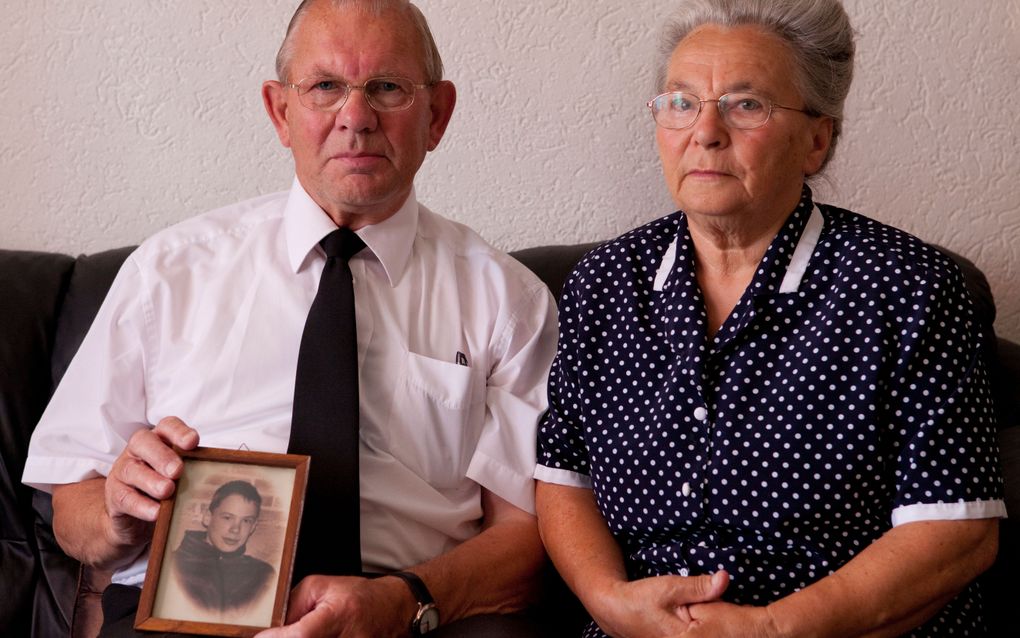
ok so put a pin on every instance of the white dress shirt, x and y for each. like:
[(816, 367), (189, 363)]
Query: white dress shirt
[(204, 322)]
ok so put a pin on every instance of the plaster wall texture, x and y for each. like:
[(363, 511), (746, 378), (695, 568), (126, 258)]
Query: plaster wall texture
[(121, 117)]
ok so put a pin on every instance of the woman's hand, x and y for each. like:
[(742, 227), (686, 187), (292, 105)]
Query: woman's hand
[(653, 607), (589, 560), (722, 620)]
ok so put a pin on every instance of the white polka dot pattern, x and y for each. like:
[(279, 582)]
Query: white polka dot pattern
[(780, 448)]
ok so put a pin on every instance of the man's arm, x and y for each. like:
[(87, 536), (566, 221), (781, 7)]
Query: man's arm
[(497, 571), (106, 522), (590, 562)]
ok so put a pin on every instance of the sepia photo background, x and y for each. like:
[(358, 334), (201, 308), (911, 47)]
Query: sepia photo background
[(194, 491)]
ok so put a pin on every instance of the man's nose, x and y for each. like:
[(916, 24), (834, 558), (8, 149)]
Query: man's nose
[(356, 113)]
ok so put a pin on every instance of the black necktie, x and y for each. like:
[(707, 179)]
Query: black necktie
[(325, 419)]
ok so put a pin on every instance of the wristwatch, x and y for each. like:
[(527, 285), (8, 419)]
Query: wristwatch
[(426, 619)]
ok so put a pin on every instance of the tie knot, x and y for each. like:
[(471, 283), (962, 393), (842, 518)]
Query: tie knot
[(342, 242)]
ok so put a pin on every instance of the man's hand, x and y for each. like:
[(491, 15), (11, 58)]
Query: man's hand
[(347, 607), (654, 607), (105, 522), (144, 474)]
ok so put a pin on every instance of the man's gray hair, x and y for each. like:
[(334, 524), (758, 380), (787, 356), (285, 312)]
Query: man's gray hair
[(818, 33), (430, 55)]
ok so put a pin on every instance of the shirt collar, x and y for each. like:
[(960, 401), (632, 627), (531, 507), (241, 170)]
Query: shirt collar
[(391, 240), (797, 238)]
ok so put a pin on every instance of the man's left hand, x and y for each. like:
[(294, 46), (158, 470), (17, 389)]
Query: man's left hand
[(348, 607)]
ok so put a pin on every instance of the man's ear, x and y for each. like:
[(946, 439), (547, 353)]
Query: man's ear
[(274, 97), (444, 98)]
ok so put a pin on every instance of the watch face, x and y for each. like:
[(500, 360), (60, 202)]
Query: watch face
[(428, 619)]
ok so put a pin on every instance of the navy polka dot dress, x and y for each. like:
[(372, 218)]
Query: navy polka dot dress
[(845, 394)]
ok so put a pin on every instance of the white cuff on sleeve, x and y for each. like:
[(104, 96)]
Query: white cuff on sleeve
[(562, 477), (948, 511)]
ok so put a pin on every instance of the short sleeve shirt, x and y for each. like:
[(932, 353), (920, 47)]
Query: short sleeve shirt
[(204, 322), (844, 394)]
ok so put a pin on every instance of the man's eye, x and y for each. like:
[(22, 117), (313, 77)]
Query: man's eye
[(325, 86), (386, 87)]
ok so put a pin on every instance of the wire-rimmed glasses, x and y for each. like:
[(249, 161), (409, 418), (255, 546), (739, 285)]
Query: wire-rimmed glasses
[(383, 94), (678, 110)]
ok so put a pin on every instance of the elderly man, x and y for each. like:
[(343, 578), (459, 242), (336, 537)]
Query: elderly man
[(208, 333)]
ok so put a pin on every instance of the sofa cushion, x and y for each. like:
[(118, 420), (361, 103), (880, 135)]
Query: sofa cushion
[(89, 284), (553, 264), (31, 287)]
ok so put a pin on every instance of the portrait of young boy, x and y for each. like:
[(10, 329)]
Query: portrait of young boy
[(212, 565)]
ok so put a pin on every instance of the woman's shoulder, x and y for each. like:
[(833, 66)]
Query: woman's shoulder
[(857, 241), (635, 252)]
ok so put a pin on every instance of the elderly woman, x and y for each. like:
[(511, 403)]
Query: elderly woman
[(767, 416)]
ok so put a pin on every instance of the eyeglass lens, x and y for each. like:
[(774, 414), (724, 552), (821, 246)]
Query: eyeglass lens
[(738, 110), (383, 94)]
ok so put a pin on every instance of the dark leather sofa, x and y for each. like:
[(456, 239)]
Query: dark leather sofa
[(48, 301)]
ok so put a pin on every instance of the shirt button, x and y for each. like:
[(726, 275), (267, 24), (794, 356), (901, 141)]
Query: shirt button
[(700, 413), (684, 571), (685, 489)]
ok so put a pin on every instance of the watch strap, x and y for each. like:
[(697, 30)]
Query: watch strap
[(426, 619), (417, 586)]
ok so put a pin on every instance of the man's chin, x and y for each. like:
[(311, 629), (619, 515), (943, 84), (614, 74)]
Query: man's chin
[(362, 195)]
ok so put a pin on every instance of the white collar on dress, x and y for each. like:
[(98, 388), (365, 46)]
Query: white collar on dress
[(794, 272)]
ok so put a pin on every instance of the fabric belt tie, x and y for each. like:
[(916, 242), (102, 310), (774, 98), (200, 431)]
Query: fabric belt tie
[(325, 419)]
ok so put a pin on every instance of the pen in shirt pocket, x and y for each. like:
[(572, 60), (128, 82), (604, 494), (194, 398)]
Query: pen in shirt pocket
[(461, 358)]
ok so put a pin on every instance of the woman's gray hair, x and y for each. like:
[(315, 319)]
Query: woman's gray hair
[(430, 55), (818, 33)]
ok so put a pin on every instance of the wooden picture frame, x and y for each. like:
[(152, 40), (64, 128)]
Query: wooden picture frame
[(224, 569)]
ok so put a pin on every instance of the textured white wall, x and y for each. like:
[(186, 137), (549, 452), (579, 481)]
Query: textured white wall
[(120, 117)]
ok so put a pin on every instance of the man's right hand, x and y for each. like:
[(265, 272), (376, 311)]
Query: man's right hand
[(143, 475), (105, 522)]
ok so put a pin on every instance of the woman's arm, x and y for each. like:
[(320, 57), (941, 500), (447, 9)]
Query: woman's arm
[(589, 560), (894, 585)]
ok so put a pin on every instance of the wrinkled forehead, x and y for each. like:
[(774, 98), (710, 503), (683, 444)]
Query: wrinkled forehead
[(714, 59), (356, 42)]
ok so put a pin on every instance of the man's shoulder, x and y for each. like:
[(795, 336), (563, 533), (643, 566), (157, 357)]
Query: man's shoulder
[(192, 237), (463, 244)]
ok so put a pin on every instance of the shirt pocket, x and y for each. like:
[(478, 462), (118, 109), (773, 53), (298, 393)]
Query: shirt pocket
[(436, 418)]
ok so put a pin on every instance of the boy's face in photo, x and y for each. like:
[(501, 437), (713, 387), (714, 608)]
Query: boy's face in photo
[(229, 526)]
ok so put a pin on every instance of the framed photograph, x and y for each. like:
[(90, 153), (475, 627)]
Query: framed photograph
[(223, 547)]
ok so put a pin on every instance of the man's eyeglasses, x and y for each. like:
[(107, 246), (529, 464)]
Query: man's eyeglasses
[(676, 110), (383, 94)]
